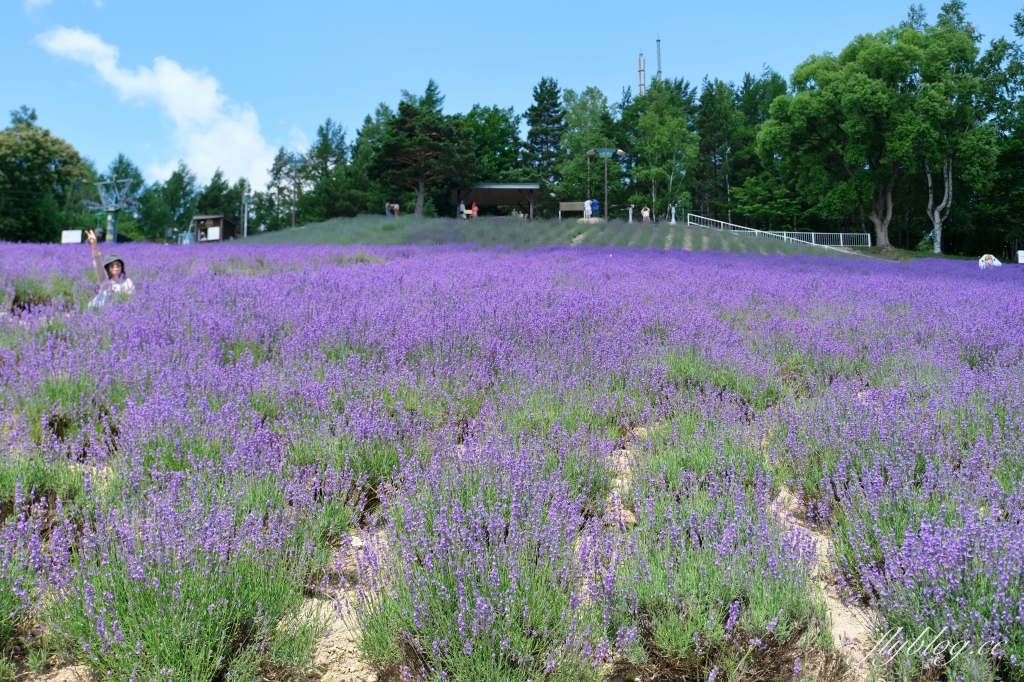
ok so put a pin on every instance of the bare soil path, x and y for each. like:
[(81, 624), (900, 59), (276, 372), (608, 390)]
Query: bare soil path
[(852, 627)]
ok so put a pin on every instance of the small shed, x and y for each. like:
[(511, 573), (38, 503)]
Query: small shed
[(213, 228), (499, 194)]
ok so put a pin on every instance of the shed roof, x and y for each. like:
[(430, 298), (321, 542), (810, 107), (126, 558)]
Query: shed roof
[(498, 193), (211, 217)]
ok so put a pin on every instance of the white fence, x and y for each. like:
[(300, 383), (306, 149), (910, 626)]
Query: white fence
[(826, 240)]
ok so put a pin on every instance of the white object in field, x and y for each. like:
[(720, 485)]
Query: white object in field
[(1020, 257), (71, 237), (988, 261), (212, 234)]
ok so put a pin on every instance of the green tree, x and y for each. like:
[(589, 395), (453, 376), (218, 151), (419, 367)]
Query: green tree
[(664, 146), (493, 135), (588, 124), (999, 220), (221, 198), (37, 174), (947, 129), (717, 123), (272, 208), (759, 195), (325, 175), (363, 193), (122, 168), (169, 205), (546, 120), (422, 147), (837, 134)]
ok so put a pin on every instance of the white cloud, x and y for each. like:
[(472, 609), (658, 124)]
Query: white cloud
[(211, 131), (33, 4)]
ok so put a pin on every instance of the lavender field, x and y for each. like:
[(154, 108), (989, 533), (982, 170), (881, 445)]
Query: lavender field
[(555, 464)]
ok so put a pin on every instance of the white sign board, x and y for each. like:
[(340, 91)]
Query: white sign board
[(1020, 257), (212, 234), (71, 237)]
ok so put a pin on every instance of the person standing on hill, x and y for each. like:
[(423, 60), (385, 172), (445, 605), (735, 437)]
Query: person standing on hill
[(476, 210), (394, 209), (462, 210), (646, 213), (110, 274), (595, 208), (587, 212)]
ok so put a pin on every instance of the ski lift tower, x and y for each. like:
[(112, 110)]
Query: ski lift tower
[(115, 196)]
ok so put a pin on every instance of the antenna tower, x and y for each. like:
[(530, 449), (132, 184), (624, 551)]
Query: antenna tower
[(641, 74), (115, 196), (659, 59)]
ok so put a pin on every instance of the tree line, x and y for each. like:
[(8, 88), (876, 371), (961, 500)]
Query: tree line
[(913, 134)]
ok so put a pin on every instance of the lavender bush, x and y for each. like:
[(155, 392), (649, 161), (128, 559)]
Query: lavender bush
[(174, 588), (484, 580), (196, 458)]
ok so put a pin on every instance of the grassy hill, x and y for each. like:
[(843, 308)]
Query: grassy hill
[(513, 233)]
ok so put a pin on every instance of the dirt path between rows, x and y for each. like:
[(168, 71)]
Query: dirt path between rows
[(852, 626)]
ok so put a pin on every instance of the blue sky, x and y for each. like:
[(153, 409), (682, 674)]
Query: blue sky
[(223, 84)]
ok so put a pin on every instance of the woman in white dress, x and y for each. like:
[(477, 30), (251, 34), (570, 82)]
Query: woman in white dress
[(110, 274)]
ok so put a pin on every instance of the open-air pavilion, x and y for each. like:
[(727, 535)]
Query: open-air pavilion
[(520, 194)]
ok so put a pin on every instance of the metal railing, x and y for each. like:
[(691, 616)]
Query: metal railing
[(835, 241)]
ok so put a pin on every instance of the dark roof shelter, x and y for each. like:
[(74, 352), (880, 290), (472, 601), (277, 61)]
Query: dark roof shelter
[(212, 228), (499, 194)]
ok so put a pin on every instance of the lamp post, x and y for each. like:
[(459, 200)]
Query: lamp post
[(606, 153), (246, 200)]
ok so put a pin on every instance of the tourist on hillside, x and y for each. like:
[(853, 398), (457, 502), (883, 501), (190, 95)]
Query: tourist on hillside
[(595, 207), (387, 208), (587, 209), (110, 274), (476, 210), (394, 209), (462, 210), (646, 213)]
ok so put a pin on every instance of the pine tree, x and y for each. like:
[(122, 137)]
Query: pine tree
[(422, 147), (547, 123)]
